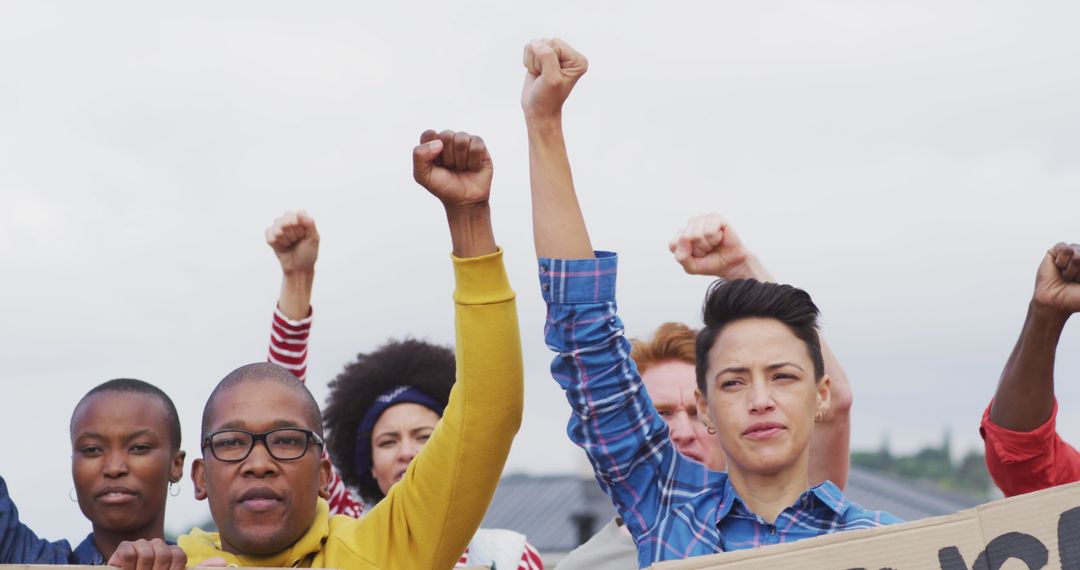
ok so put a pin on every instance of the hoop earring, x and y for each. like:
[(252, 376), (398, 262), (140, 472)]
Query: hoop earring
[(173, 488), (71, 495), (711, 430)]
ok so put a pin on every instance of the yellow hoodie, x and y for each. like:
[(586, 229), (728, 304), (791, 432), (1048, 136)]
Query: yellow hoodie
[(427, 519)]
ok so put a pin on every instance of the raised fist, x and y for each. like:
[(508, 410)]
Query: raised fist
[(455, 167), (144, 554), (295, 242), (552, 68), (1057, 285), (708, 245)]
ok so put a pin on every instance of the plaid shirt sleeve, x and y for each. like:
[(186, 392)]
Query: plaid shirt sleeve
[(612, 418)]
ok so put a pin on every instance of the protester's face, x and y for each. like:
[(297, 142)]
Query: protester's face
[(671, 385), (397, 437), (261, 505), (762, 397), (122, 461)]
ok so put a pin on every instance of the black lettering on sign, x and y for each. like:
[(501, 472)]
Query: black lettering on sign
[(950, 559), (1009, 546), (1069, 539), (1023, 547)]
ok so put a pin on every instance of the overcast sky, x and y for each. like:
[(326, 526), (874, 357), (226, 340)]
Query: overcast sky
[(907, 163)]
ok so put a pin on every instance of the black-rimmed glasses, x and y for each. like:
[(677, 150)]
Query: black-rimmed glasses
[(284, 444)]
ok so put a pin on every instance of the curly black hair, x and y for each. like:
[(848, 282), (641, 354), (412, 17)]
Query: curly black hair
[(425, 366)]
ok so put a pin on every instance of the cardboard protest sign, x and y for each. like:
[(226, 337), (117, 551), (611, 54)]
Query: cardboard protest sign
[(1038, 530)]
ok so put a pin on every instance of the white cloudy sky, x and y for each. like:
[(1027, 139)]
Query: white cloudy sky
[(906, 162)]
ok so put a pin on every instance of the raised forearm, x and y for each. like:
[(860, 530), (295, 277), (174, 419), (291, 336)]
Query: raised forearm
[(753, 268), (831, 443), (559, 230), (295, 299), (470, 230), (1025, 393)]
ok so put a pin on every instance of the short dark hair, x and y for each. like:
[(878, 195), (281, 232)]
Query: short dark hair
[(730, 301), (263, 372), (131, 385), (425, 366)]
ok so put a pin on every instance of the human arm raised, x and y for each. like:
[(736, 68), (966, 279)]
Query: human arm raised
[(1024, 452), (552, 69), (612, 420), (709, 245), (457, 169), (295, 240), (447, 488), (1025, 393)]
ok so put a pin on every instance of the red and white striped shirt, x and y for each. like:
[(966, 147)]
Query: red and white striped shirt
[(289, 349)]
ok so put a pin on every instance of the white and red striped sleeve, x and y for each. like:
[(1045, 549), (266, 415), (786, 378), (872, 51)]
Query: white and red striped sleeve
[(289, 349), (289, 343), (530, 559)]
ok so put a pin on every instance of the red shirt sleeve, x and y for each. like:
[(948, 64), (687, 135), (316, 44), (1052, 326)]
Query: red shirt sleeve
[(1025, 461)]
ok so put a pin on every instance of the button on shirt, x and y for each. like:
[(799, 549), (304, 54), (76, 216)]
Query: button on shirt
[(675, 507)]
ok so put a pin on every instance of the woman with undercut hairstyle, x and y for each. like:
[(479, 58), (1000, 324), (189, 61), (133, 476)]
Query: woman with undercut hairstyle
[(760, 376), (382, 407), (125, 458)]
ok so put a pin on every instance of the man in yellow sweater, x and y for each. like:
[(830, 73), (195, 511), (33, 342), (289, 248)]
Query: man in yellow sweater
[(262, 432)]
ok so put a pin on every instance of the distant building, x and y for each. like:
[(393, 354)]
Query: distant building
[(559, 512)]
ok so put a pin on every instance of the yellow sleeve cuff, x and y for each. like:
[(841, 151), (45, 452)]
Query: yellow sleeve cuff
[(481, 280)]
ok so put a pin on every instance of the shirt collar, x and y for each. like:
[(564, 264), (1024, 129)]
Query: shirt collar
[(830, 496)]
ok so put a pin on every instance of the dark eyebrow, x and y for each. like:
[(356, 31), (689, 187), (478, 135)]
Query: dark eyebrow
[(242, 425), (140, 433), (737, 369), (90, 434), (743, 369)]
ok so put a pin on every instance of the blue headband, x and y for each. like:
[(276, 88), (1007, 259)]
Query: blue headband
[(392, 397)]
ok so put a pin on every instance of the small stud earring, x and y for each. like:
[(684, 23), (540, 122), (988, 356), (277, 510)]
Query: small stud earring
[(710, 429)]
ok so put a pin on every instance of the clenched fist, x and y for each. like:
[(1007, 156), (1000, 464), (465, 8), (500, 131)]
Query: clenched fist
[(144, 554), (552, 68), (295, 241), (708, 245), (455, 167), (1057, 285)]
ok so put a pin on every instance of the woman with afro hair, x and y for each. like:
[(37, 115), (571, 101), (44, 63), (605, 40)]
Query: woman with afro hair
[(382, 407)]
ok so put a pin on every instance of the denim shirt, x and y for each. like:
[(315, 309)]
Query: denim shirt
[(674, 507), (20, 545)]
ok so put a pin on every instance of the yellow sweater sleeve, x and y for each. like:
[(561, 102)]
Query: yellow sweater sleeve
[(429, 517)]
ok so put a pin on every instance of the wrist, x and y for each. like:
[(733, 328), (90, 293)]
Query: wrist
[(305, 274), (750, 268), (544, 123), (1046, 317)]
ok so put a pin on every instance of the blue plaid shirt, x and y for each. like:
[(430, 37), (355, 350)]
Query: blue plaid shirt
[(675, 507)]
